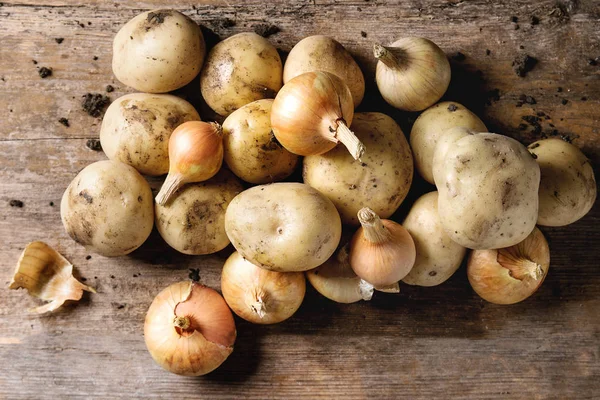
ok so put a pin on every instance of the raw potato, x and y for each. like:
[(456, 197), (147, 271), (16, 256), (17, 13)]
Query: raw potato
[(568, 186), (381, 181), (283, 226), (108, 208), (431, 126), (444, 143), (194, 221), (239, 70), (438, 257), (158, 51), (136, 129), (322, 53), (251, 150), (488, 191)]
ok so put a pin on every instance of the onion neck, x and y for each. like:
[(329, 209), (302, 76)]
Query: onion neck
[(258, 304), (218, 128), (519, 267), (349, 139), (183, 323), (373, 229), (168, 189), (392, 57)]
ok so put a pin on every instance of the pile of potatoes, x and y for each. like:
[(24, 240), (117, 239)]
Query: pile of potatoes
[(491, 191)]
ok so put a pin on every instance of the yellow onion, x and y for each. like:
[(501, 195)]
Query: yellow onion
[(195, 155), (258, 295), (189, 329), (382, 252), (311, 114), (511, 274)]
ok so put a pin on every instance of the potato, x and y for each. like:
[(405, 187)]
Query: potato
[(158, 51), (239, 70), (136, 129), (251, 150), (488, 191), (108, 208), (568, 186), (322, 53), (431, 125), (194, 221), (283, 226), (438, 257), (381, 181)]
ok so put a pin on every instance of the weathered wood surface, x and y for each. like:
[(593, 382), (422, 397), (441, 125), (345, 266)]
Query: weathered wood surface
[(440, 342)]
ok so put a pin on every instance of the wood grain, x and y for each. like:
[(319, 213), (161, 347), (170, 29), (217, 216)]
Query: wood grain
[(441, 342)]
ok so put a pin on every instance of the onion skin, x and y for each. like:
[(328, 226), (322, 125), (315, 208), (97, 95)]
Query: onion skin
[(512, 274), (311, 114), (208, 338), (258, 295)]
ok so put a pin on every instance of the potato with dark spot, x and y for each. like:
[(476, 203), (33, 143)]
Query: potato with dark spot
[(322, 53), (108, 208), (432, 125), (379, 181), (158, 51), (239, 70), (568, 186), (194, 221), (283, 226), (438, 257), (488, 191), (251, 150), (136, 129)]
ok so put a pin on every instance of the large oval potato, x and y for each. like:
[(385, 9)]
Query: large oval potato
[(568, 186), (379, 181), (108, 208), (136, 129), (239, 70), (431, 125), (438, 257), (283, 226), (488, 191), (251, 150), (194, 221), (158, 51), (322, 53)]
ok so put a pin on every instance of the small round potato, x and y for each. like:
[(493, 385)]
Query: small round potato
[(108, 208), (568, 186), (251, 150), (322, 53), (194, 221), (438, 257), (158, 51), (488, 191), (283, 226), (239, 70), (431, 125), (136, 129), (380, 180)]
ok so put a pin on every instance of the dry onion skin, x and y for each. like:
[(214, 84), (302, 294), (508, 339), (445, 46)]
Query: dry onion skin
[(189, 330), (412, 74), (568, 186), (510, 275), (383, 178), (136, 129), (432, 125), (258, 295), (158, 51), (48, 276), (239, 70), (311, 115), (251, 150), (322, 53)]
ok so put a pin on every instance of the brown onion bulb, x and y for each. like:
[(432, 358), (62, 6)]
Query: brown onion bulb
[(311, 114), (382, 252), (511, 274), (195, 155), (189, 329), (258, 295)]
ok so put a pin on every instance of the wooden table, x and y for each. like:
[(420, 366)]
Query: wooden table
[(425, 343)]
